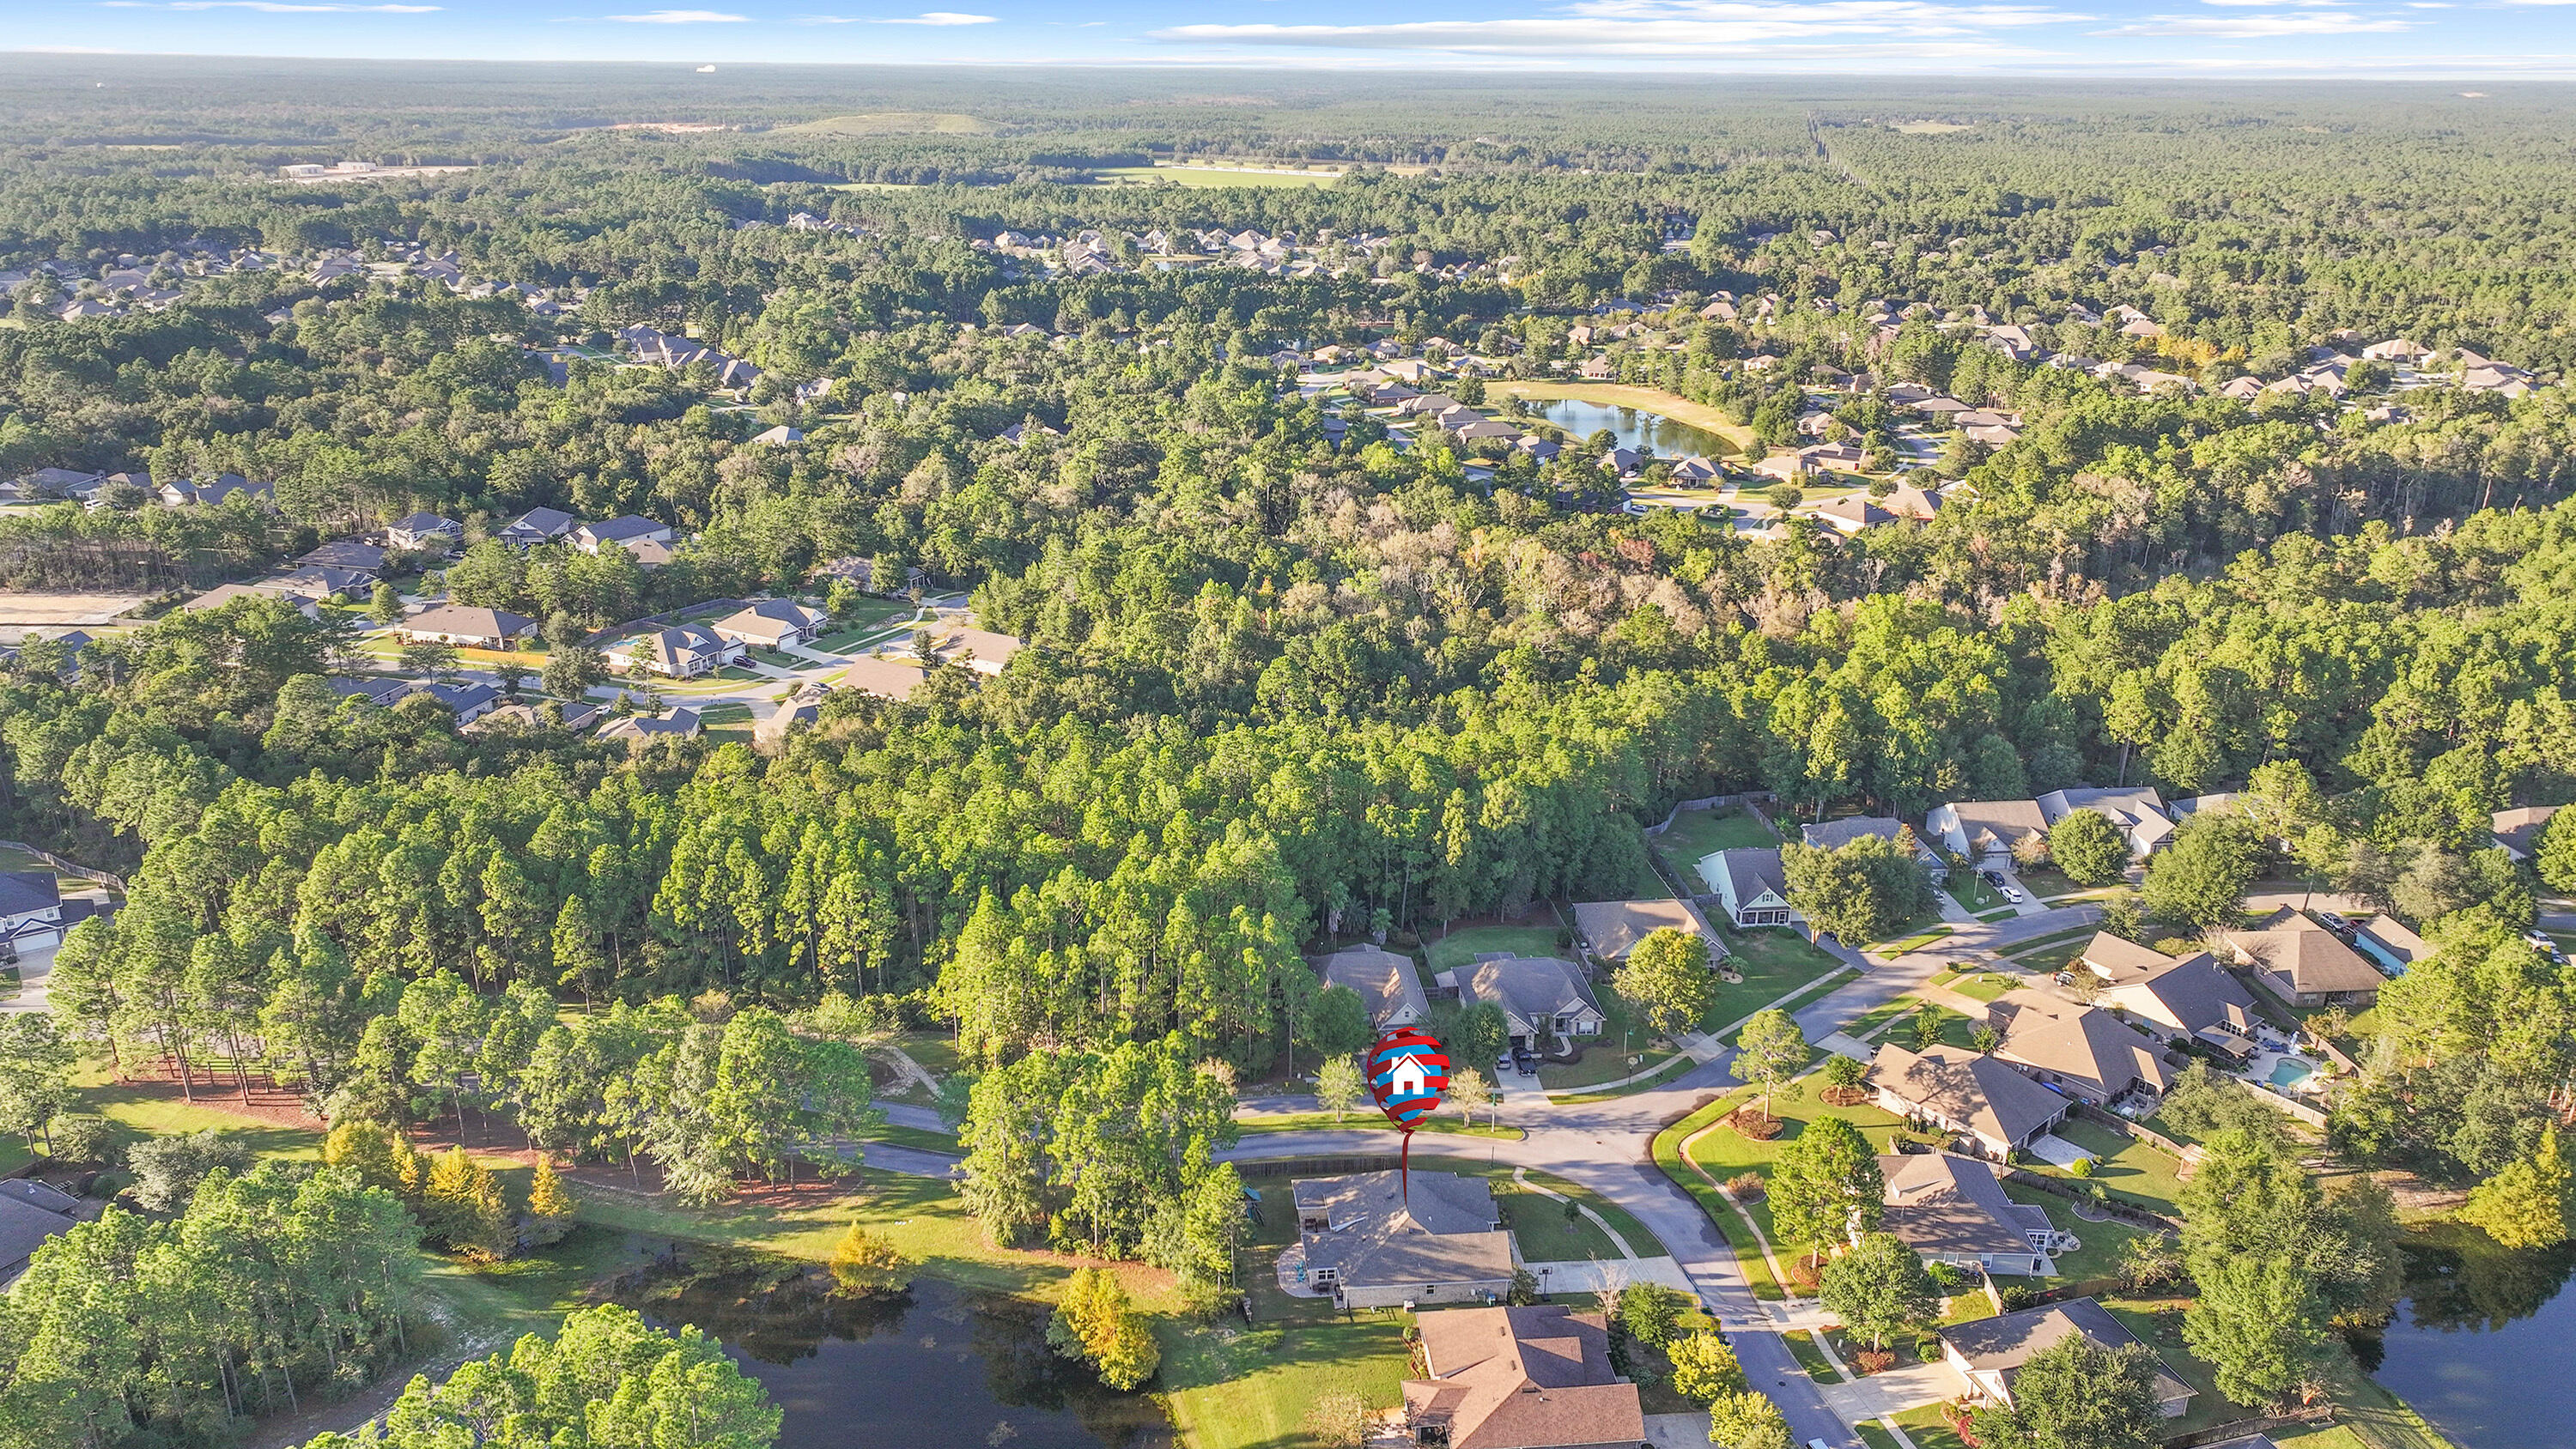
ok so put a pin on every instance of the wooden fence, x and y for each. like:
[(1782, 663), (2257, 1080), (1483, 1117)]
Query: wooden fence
[(95, 877)]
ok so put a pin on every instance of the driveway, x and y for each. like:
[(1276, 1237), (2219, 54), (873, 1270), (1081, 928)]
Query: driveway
[(35, 973), (1894, 1391)]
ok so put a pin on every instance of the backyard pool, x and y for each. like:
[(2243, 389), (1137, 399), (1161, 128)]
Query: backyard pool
[(2289, 1072)]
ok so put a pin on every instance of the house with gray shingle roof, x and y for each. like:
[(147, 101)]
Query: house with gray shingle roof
[(1950, 1209), (1541, 997), (1989, 1353), (1985, 1101), (1385, 982), (1374, 1241)]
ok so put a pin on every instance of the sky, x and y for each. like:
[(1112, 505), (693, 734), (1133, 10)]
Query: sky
[(2393, 38)]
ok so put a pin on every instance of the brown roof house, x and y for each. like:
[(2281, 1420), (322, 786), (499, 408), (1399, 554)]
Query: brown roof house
[(1991, 1106), (1371, 1242), (1984, 829), (474, 628), (1612, 929), (2079, 1050), (1541, 997), (771, 624), (2304, 964), (1951, 1209), (1989, 1353), (1520, 1378), (2190, 997), (2137, 812), (2518, 830), (2389, 945), (1385, 981)]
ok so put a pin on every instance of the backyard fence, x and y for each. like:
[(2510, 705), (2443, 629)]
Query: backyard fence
[(95, 877), (2148, 1135), (2244, 1428), (1713, 802), (2109, 1207)]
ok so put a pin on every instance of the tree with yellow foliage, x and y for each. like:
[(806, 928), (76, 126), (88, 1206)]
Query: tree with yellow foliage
[(462, 1205), (382, 1156), (863, 1264), (1095, 1321), (550, 1208)]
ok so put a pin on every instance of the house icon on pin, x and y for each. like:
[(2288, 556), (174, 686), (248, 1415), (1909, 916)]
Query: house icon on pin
[(1406, 1079)]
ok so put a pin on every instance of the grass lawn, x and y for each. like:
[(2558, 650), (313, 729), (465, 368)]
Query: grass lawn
[(724, 714), (1648, 884), (1774, 962), (1986, 985), (1229, 1387), (1461, 948), (2049, 885), (1859, 1027), (1726, 1152), (2127, 1166), (1990, 917), (1675, 1067), (2047, 958), (1922, 936), (1539, 1224), (2103, 1242), (1925, 1426), (1667, 1151), (937, 1054), (1604, 1059), (2158, 1324), (1971, 891), (1697, 833), (1802, 1347), (1874, 1436)]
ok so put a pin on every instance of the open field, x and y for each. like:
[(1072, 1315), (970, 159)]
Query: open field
[(1213, 176), (63, 610), (893, 123), (1461, 948)]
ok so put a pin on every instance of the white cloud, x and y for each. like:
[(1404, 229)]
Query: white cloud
[(272, 7), (927, 17), (2308, 4), (1668, 27), (2252, 27), (680, 17)]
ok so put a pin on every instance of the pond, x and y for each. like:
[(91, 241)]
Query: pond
[(1633, 428), (936, 1367), (2483, 1334)]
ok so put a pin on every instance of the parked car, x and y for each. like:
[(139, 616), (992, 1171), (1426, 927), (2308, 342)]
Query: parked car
[(2012, 895), (1993, 878), (1525, 1059), (2336, 922), (1504, 1066)]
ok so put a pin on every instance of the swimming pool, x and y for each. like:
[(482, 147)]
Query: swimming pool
[(2289, 1072)]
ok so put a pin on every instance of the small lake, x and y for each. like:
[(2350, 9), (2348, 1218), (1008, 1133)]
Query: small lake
[(935, 1367), (2481, 1338), (1633, 428)]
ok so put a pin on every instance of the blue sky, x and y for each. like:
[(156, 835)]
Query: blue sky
[(2395, 38)]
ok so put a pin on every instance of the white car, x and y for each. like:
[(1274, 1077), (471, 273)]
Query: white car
[(2012, 895)]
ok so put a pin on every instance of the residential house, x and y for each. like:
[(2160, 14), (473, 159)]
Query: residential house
[(2182, 810), (805, 706), (1907, 501), (626, 530), (382, 691), (2185, 998), (308, 605), (2518, 830), (468, 700), (2304, 964), (2137, 812), (771, 624), (1852, 513), (1950, 1209), (1752, 884), (473, 628), (573, 715), (1386, 984), (682, 651), (1992, 1107), (1835, 834), (184, 492), (348, 553), (1520, 1378), (31, 912), (1985, 830), (981, 650), (32, 1213), (641, 730), (2079, 1050), (320, 581), (1541, 997), (1989, 1352), (538, 525), (1375, 1242), (886, 676), (778, 437), (1609, 930), (2384, 941), (424, 530)]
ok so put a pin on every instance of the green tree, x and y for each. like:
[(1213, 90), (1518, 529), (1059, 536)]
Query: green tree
[(2088, 847), (34, 1086), (1667, 974), (1339, 1088), (2526, 1204), (1879, 1287), (1747, 1420), (1094, 1321), (2555, 854), (2200, 878), (1769, 1049), (1337, 1022), (1704, 1368), (1859, 892), (1825, 1186), (461, 1204), (384, 604), (2076, 1394), (1651, 1313)]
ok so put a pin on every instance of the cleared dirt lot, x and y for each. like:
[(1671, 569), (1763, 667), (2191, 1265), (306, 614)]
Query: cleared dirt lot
[(62, 610)]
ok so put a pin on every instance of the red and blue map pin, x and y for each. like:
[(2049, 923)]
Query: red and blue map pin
[(1408, 1073)]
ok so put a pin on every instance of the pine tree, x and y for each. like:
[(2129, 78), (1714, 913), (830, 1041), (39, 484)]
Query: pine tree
[(550, 1208), (463, 1206), (2525, 1204), (1095, 1322), (864, 1264)]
